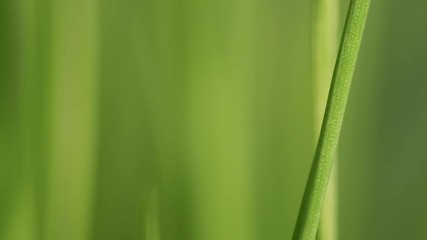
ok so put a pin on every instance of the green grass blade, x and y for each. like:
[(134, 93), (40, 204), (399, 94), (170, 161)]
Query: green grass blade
[(312, 204)]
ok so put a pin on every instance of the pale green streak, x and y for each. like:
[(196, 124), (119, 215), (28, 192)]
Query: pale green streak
[(221, 133), (324, 37), (312, 204), (73, 119), (152, 218)]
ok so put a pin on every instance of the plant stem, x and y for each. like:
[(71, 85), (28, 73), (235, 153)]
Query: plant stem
[(312, 204), (324, 45)]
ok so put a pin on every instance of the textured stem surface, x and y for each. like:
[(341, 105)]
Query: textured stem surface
[(312, 204)]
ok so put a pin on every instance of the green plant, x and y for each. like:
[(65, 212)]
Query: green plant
[(324, 46), (312, 204)]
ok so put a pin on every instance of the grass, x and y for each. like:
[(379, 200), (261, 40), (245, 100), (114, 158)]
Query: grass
[(312, 204), (73, 120), (324, 46), (216, 119)]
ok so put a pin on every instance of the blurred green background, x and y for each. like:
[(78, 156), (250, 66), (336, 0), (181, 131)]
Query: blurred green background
[(193, 119)]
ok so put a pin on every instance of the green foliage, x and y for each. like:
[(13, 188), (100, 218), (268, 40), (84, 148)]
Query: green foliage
[(193, 120)]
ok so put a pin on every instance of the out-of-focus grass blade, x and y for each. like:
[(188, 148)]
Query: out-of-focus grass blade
[(324, 46), (73, 119)]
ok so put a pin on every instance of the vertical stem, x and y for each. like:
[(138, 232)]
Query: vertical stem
[(324, 45), (73, 119), (312, 204)]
